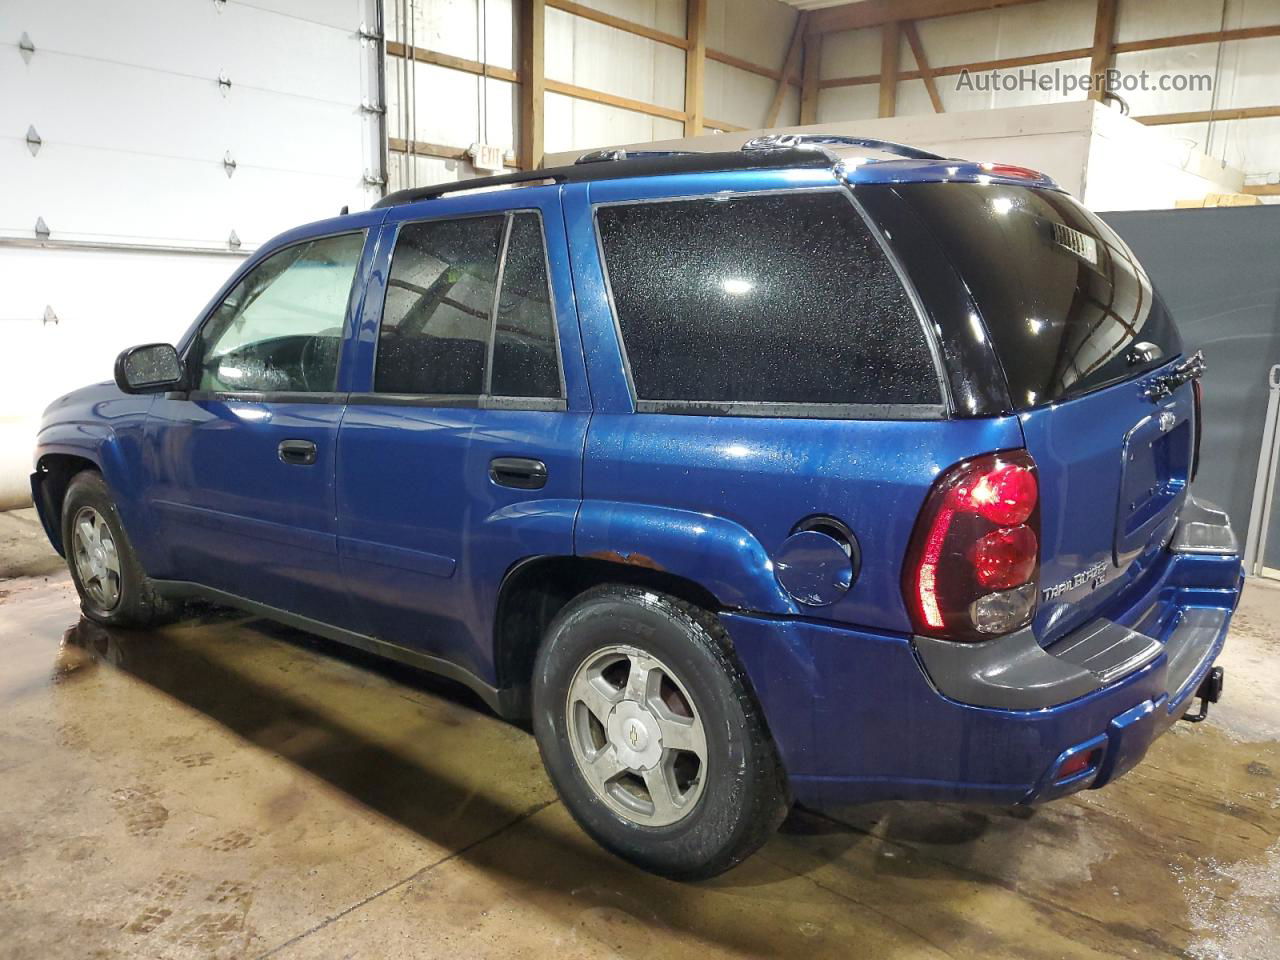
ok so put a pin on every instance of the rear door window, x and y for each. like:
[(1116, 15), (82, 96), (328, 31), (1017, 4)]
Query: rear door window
[(468, 311), (1063, 297), (782, 298)]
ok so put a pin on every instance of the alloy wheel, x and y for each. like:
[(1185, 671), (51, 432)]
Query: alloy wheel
[(96, 558), (637, 736)]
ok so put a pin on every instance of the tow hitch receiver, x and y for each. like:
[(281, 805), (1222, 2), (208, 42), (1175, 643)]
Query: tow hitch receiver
[(1209, 691)]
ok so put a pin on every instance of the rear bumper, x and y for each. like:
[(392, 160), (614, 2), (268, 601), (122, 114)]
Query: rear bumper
[(860, 716)]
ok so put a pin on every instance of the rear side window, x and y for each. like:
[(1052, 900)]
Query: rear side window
[(768, 298), (468, 311), (1063, 297)]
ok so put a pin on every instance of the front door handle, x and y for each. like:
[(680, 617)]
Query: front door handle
[(519, 472), (301, 452)]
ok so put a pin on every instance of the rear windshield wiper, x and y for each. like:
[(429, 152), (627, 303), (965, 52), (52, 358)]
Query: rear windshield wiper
[(1190, 369)]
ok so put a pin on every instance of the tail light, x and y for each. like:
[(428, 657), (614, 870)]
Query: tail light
[(973, 567), (1197, 391)]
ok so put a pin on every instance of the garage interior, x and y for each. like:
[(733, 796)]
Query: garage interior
[(227, 787)]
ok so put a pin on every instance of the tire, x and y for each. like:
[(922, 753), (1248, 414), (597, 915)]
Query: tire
[(668, 811), (119, 597)]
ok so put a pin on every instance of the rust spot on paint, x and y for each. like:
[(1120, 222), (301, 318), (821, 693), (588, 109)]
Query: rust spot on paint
[(630, 559)]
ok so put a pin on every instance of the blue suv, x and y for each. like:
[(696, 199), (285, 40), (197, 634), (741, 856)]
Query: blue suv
[(823, 471)]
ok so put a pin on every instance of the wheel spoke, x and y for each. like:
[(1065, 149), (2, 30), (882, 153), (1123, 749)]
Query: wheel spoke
[(679, 733), (658, 783), (604, 766), (586, 690), (642, 680), (111, 558), (86, 535)]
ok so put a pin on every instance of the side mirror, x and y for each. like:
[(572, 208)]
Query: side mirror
[(151, 368)]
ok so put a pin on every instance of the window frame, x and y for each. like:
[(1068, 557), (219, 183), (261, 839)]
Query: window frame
[(484, 400), (282, 396), (943, 409)]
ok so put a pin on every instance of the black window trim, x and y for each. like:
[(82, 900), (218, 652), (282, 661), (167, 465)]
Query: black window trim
[(765, 408), (358, 283), (485, 400)]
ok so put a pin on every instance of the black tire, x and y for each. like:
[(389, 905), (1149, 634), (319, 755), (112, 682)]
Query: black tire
[(137, 604), (743, 796)]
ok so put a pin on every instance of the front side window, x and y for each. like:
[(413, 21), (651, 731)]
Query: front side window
[(281, 327), (775, 298), (468, 311)]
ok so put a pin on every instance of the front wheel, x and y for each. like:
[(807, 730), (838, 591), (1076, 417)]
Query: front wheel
[(114, 589), (651, 735)]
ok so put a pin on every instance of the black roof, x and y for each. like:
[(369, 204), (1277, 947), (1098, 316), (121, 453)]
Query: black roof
[(643, 165)]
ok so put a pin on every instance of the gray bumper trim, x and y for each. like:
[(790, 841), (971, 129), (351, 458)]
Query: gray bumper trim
[(1205, 529), (1015, 673), (1012, 672)]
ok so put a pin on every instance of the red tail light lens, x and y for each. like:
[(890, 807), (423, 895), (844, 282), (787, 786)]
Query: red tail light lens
[(974, 561), (1006, 557)]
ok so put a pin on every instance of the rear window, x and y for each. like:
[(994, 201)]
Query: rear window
[(1063, 297), (780, 298)]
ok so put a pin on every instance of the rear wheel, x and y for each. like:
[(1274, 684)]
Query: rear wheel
[(113, 587), (651, 735)]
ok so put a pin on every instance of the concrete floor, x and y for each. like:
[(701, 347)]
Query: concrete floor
[(227, 788)]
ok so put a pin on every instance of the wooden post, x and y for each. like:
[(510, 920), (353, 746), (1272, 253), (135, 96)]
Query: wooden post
[(922, 64), (788, 68), (810, 72), (695, 65), (532, 48), (890, 42), (1104, 35)]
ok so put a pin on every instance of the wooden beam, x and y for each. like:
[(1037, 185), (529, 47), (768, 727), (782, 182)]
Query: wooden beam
[(1191, 39), (531, 50), (722, 125), (922, 64), (890, 52), (1262, 189), (1104, 35), (618, 23), (872, 13), (395, 49), (624, 103), (731, 61), (788, 68), (1206, 116), (809, 72), (978, 67), (695, 65)]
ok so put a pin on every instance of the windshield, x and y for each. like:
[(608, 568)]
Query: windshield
[(1067, 305)]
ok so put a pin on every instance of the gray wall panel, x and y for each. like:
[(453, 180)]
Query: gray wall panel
[(1219, 271)]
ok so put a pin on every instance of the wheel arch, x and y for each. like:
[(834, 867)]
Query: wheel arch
[(535, 589), (53, 475)]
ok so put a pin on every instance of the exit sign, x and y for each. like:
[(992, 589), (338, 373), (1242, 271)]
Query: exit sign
[(486, 156)]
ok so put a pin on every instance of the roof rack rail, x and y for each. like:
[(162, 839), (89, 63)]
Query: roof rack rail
[(414, 194), (781, 141), (622, 153)]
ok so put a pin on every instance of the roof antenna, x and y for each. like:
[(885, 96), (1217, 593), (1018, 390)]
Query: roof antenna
[(344, 211)]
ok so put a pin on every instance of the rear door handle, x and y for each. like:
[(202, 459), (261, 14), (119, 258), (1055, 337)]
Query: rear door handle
[(519, 472), (301, 452)]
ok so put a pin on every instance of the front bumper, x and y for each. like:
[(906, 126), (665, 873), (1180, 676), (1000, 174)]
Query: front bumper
[(861, 716)]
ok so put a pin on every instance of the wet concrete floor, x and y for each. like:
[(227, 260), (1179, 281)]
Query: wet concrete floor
[(229, 788)]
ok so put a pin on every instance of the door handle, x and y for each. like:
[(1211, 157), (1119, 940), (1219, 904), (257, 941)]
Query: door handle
[(519, 472), (301, 452)]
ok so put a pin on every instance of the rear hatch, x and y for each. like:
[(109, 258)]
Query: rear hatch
[(1086, 344)]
